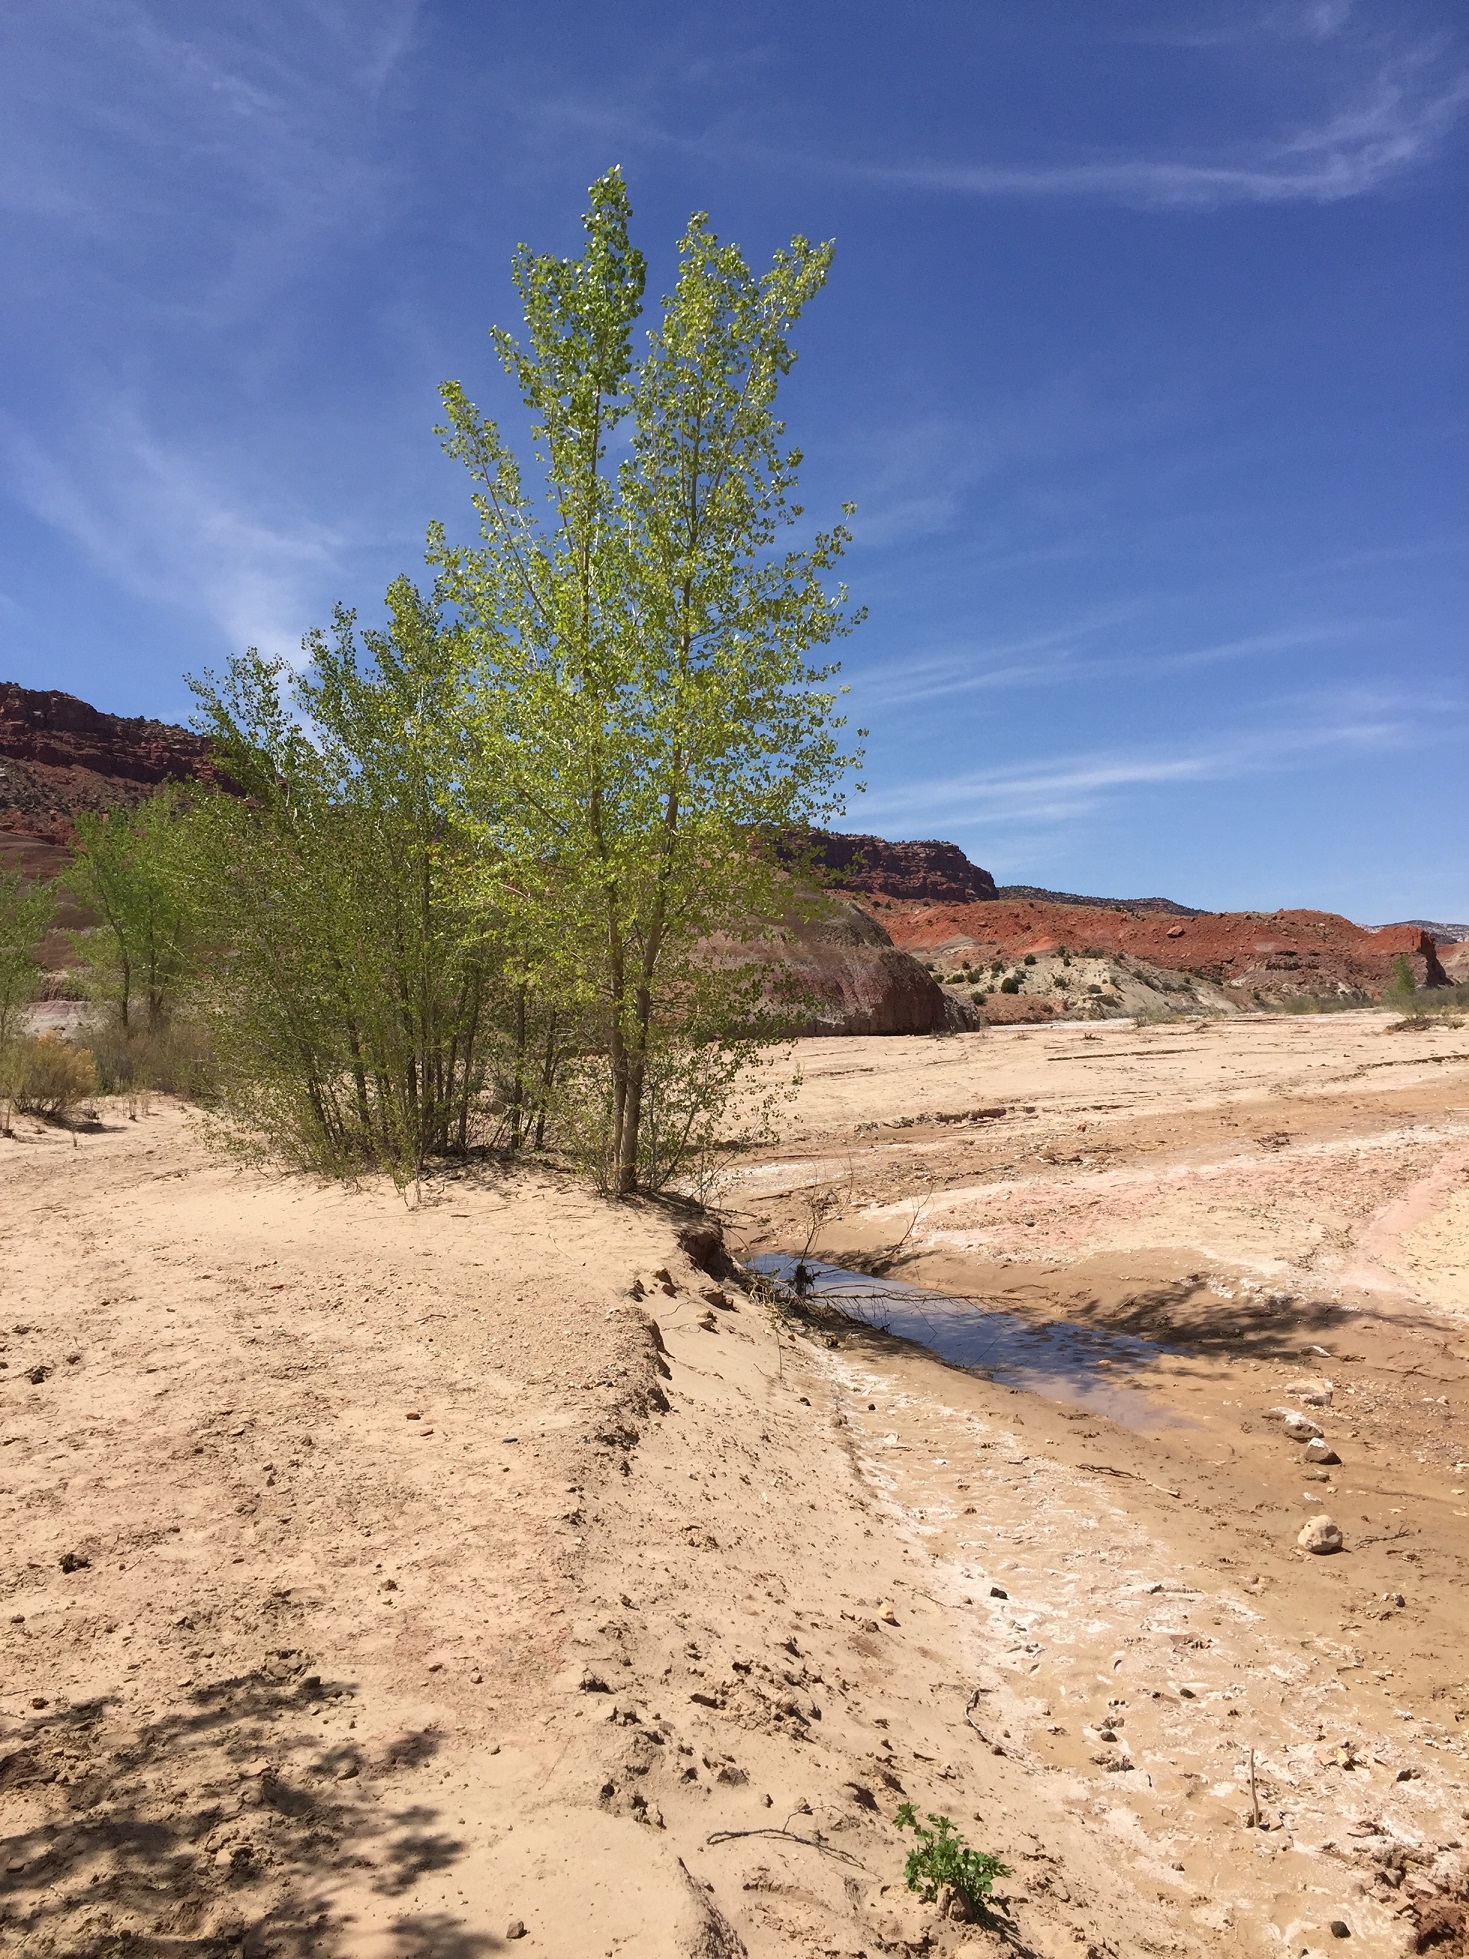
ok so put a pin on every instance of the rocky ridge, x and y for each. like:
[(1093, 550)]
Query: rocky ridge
[(59, 756)]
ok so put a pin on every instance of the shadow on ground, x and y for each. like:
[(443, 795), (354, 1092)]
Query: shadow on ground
[(182, 1836)]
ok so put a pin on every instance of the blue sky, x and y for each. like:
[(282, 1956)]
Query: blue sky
[(1143, 359)]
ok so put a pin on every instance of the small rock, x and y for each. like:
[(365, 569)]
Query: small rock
[(1318, 1476), (1321, 1534), (1320, 1450), (74, 1561), (1339, 1929), (413, 1416), (1300, 1428), (36, 1375), (515, 1929), (887, 1613), (593, 1683), (720, 1299), (1280, 1414), (1314, 1394), (998, 1591)]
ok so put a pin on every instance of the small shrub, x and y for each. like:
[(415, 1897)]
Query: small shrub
[(941, 1856), (1011, 983), (1030, 958), (50, 1078), (979, 998)]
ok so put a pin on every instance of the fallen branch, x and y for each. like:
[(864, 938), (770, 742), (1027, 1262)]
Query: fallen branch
[(811, 1843), (1106, 1469), (969, 1717)]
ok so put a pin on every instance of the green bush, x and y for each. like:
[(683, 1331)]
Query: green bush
[(1011, 983), (1030, 958), (943, 1857)]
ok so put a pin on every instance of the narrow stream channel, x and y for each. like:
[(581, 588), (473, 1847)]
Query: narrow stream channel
[(1060, 1360)]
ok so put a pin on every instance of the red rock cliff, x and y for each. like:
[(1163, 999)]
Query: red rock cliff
[(1278, 954), (58, 756)]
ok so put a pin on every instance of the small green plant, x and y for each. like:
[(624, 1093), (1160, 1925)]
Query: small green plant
[(941, 1856), (1030, 958), (1010, 984)]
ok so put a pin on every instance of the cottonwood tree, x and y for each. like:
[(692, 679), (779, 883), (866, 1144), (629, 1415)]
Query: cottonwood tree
[(346, 987), (26, 911), (645, 708), (125, 872)]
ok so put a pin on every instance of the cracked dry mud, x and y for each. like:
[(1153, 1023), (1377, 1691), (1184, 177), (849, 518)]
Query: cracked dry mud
[(326, 1679)]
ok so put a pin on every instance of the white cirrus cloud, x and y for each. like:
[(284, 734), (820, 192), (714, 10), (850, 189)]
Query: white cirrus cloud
[(1061, 789), (168, 527)]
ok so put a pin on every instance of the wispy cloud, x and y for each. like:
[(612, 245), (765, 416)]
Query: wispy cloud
[(1062, 789), (1395, 125), (122, 117), (985, 668), (1395, 103), (167, 528)]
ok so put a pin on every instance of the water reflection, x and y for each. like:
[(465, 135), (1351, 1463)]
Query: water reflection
[(1060, 1360)]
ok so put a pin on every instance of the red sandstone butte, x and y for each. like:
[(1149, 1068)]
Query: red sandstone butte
[(58, 757), (1277, 953)]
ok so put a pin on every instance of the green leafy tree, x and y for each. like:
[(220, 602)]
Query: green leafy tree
[(646, 708), (26, 912), (126, 872), (348, 990)]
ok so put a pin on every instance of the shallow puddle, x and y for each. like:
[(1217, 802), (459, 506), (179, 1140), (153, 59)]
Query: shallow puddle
[(1059, 1359)]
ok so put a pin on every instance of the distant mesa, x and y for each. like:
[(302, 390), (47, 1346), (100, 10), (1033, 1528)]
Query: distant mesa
[(929, 873), (60, 757), (1444, 934), (934, 873), (905, 916)]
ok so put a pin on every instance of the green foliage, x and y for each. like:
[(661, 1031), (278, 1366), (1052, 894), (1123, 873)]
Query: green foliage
[(643, 705), (1404, 985), (1030, 958), (126, 871), (941, 1856), (346, 981), (1010, 983), (26, 912)]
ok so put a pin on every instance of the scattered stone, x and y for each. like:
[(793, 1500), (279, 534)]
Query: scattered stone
[(1320, 1450), (593, 1683), (36, 1375), (515, 1929), (998, 1591), (413, 1416), (1300, 1428), (1314, 1394), (720, 1299), (1280, 1414), (74, 1561), (887, 1613), (1339, 1929), (1321, 1534), (1318, 1476)]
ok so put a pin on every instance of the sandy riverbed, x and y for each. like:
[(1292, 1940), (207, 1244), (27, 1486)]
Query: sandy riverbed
[(322, 1678)]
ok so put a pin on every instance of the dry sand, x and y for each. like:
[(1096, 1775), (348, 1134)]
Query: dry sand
[(325, 1679)]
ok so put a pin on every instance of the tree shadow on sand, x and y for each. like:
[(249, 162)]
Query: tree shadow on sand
[(184, 1836)]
